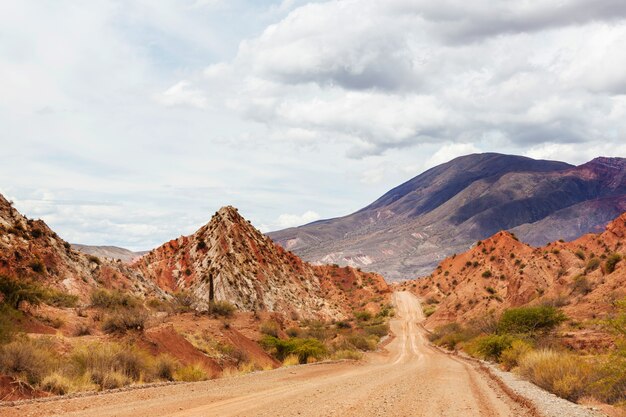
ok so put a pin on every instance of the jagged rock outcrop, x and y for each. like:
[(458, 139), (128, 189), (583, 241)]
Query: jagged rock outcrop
[(228, 259)]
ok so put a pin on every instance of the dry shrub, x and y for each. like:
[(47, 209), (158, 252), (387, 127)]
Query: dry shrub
[(113, 299), (510, 357), (291, 360), (270, 328), (362, 342), (123, 320), (57, 384), (191, 373), (28, 359), (101, 359), (222, 308), (113, 380), (563, 374), (165, 367), (347, 354)]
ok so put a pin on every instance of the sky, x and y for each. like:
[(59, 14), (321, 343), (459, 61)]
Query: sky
[(130, 123)]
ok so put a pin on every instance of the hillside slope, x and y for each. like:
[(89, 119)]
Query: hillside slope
[(444, 210), (29, 249), (584, 277), (228, 259)]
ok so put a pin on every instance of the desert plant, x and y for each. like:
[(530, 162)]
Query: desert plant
[(611, 262), (270, 328), (363, 315), (15, 291), (530, 320), (580, 254), (123, 320), (490, 346), (113, 299), (27, 359), (581, 285), (165, 367), (592, 265), (8, 318), (56, 383), (510, 357), (563, 374), (191, 373), (486, 274), (347, 354), (222, 308)]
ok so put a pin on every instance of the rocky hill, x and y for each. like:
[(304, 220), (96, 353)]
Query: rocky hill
[(29, 249), (228, 259), (584, 277), (444, 210)]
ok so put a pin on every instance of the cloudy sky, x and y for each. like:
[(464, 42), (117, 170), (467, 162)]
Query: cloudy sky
[(130, 122)]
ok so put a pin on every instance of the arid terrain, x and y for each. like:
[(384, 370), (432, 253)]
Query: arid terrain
[(407, 378)]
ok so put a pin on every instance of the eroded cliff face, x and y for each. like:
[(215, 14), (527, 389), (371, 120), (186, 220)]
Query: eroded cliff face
[(501, 272)]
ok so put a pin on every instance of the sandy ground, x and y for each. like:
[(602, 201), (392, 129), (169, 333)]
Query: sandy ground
[(409, 378)]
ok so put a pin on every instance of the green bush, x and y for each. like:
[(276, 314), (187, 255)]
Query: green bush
[(59, 299), (303, 348), (486, 274), (8, 318), (592, 265), (530, 320), (611, 262), (363, 315), (491, 346), (15, 291), (113, 299)]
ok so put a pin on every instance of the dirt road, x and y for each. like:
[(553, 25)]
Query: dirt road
[(409, 379)]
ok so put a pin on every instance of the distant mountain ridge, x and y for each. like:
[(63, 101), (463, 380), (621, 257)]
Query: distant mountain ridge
[(444, 210), (111, 252)]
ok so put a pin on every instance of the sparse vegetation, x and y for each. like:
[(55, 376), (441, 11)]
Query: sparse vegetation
[(611, 262), (525, 320), (222, 308), (113, 299)]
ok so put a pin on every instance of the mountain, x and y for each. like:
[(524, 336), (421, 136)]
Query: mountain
[(447, 208), (228, 259), (585, 277), (111, 252)]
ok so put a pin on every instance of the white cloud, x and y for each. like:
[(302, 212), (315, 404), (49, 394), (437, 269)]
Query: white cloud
[(291, 220), (182, 94), (140, 119)]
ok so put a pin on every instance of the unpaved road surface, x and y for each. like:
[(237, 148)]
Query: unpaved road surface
[(409, 379)]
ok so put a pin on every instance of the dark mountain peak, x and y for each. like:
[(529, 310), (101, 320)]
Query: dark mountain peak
[(434, 187)]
